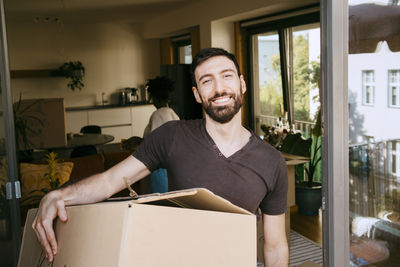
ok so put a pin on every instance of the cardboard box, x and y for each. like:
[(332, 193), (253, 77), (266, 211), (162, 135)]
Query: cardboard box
[(183, 228)]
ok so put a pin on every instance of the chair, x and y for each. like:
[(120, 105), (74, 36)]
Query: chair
[(131, 143), (91, 129)]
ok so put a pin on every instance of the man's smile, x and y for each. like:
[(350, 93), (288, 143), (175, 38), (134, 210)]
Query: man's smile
[(221, 100)]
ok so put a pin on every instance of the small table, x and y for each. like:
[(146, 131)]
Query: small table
[(291, 162), (89, 139)]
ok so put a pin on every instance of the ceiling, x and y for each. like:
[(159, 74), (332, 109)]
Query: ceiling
[(89, 10)]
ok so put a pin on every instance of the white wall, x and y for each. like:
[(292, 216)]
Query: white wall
[(114, 56), (223, 35)]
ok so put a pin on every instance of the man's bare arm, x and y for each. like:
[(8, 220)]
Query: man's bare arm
[(90, 190), (276, 252)]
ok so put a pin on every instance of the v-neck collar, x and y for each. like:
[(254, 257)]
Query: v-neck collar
[(214, 146)]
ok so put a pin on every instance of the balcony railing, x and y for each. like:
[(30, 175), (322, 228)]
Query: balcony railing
[(374, 177), (305, 127)]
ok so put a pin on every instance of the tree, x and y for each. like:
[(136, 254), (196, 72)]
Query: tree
[(305, 79)]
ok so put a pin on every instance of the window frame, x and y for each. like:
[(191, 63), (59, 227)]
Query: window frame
[(365, 83), (178, 42), (390, 86), (281, 26)]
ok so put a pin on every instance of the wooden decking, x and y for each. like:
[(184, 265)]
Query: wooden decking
[(308, 226)]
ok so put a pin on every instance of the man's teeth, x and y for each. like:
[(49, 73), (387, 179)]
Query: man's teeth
[(222, 100)]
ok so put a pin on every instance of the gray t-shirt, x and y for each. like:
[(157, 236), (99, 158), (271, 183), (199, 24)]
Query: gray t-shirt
[(253, 177)]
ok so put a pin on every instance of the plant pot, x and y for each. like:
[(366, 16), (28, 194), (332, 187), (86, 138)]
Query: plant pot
[(308, 199)]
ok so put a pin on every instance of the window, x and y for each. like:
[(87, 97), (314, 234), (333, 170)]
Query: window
[(268, 98), (182, 49), (285, 64), (368, 87), (394, 158), (394, 88)]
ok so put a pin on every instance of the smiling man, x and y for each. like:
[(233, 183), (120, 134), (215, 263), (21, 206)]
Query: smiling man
[(216, 153)]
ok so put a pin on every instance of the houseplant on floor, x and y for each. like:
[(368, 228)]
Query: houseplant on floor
[(308, 193)]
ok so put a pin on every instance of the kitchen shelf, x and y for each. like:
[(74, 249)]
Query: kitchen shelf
[(36, 73)]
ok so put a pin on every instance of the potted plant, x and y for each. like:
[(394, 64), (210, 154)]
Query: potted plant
[(4, 205), (23, 121), (308, 193), (75, 71), (53, 177)]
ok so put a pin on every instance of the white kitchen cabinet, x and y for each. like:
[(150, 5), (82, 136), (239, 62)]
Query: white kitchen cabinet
[(114, 121), (75, 120), (110, 117), (120, 122), (140, 118)]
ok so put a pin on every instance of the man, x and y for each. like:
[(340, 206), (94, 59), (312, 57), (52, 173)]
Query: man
[(217, 153)]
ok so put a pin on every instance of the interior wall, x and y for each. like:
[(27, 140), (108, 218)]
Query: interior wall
[(223, 35), (206, 11), (114, 56)]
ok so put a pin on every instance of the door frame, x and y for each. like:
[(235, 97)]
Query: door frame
[(335, 155)]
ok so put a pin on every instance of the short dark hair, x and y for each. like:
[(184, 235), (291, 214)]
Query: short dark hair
[(207, 53), (160, 88)]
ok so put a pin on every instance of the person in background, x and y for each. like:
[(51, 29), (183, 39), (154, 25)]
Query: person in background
[(160, 89)]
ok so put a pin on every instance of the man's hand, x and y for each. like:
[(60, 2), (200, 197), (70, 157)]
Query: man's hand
[(51, 206), (276, 252)]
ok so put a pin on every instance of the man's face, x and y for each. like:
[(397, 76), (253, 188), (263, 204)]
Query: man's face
[(220, 89)]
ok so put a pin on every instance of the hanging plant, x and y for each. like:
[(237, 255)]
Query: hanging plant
[(75, 71)]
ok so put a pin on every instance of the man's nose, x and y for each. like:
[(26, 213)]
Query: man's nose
[(219, 85)]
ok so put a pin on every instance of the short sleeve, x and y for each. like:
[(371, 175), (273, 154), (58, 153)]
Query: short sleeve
[(153, 151), (275, 202)]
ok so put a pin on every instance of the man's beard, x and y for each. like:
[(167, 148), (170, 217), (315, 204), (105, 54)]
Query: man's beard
[(223, 114)]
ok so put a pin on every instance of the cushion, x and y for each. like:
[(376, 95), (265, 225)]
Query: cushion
[(33, 177)]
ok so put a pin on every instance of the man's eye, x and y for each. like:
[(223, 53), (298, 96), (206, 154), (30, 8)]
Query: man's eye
[(206, 81), (228, 75)]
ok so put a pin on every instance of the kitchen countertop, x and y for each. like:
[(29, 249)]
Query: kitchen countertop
[(107, 106)]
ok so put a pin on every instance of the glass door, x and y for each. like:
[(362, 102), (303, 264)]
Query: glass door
[(267, 85), (374, 148), (10, 225), (284, 92)]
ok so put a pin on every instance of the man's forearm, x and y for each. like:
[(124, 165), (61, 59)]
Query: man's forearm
[(90, 190), (103, 185)]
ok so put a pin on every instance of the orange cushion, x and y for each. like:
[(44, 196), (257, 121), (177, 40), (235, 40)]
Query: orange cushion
[(33, 177)]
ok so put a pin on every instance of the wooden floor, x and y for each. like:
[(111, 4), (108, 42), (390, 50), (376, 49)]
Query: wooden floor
[(308, 226)]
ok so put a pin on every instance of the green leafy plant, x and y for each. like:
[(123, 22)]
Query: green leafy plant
[(315, 151), (23, 119), (4, 206), (314, 77), (53, 177), (75, 71)]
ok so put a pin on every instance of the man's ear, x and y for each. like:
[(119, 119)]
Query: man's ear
[(196, 95), (243, 84)]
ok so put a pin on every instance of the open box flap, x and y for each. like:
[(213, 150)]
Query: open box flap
[(194, 198)]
